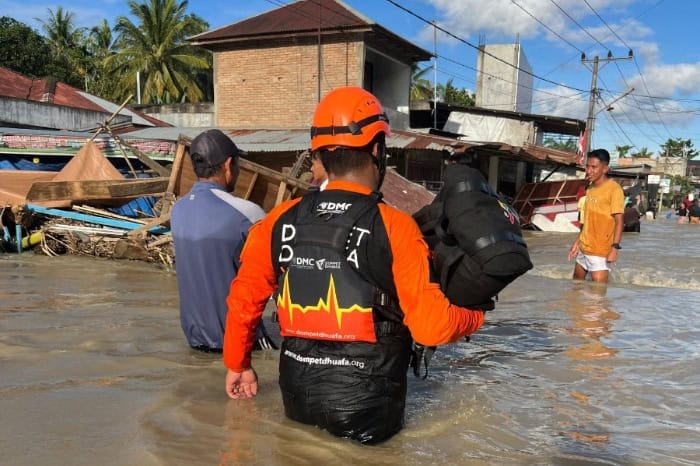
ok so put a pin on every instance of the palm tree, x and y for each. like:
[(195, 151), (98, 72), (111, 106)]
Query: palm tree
[(451, 95), (643, 153), (67, 45), (100, 46), (155, 46), (421, 88), (60, 31), (568, 145), (678, 147), (622, 151)]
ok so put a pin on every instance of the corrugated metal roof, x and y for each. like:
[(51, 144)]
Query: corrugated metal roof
[(17, 86), (297, 140), (290, 140)]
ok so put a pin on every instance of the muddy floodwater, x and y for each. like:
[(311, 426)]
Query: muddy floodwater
[(94, 370)]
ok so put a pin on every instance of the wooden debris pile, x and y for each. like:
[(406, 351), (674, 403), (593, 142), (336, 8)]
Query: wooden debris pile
[(83, 225)]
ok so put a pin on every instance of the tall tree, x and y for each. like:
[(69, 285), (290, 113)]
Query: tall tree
[(421, 88), (100, 45), (451, 95), (67, 44), (23, 50), (568, 144), (155, 47), (678, 147), (623, 151), (642, 153)]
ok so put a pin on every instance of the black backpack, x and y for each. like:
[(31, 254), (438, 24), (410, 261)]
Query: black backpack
[(475, 237)]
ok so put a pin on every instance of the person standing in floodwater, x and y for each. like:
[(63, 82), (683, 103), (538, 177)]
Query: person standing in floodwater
[(354, 286), (209, 227), (598, 243)]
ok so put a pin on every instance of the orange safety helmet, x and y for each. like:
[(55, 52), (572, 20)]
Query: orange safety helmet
[(347, 117)]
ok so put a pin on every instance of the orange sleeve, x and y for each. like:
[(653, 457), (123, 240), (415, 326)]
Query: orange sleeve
[(428, 314), (250, 291)]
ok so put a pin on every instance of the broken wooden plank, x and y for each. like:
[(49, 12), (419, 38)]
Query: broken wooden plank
[(139, 187), (123, 224), (105, 213), (251, 185), (148, 227), (43, 191)]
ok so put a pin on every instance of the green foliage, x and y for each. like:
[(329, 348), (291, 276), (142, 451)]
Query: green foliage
[(683, 182), (23, 50), (642, 153), (421, 88), (678, 147), (451, 95), (155, 47), (568, 144), (67, 45), (623, 151)]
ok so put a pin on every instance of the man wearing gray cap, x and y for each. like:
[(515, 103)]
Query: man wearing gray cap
[(209, 226)]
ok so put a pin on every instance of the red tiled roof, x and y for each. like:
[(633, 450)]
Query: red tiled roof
[(17, 86), (296, 17)]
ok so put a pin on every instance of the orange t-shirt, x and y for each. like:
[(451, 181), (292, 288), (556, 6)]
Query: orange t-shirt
[(602, 202)]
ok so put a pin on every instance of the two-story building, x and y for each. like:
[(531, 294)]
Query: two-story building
[(271, 70)]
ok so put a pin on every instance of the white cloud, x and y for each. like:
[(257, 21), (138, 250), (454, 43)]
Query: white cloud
[(667, 80), (504, 19), (560, 101)]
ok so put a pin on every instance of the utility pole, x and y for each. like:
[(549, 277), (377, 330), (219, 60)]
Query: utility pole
[(435, 74), (590, 121)]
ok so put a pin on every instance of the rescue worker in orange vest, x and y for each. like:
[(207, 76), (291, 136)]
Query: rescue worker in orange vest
[(353, 284)]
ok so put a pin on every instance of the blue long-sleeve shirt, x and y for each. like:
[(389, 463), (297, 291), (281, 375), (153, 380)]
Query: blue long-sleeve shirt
[(209, 227)]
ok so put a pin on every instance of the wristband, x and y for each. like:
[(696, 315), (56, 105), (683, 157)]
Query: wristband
[(616, 246)]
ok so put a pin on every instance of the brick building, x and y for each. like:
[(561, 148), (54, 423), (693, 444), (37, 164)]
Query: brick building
[(270, 70)]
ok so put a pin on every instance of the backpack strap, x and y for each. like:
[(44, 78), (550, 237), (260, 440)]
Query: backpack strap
[(333, 235), (470, 185)]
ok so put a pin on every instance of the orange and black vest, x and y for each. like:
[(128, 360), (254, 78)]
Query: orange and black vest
[(345, 351)]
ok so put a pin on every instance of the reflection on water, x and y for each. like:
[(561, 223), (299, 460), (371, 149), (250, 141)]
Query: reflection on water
[(95, 370)]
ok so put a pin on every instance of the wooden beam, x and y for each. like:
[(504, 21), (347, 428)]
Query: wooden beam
[(251, 185), (146, 160), (150, 226), (125, 225), (42, 191)]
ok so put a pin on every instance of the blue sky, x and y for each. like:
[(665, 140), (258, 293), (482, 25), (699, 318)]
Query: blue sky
[(664, 35)]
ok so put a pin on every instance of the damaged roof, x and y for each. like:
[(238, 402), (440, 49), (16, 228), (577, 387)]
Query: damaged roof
[(49, 91), (297, 140)]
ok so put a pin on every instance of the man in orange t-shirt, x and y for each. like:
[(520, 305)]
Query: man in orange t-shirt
[(354, 287), (599, 242)]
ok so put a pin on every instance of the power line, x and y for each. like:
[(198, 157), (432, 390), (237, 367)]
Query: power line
[(545, 26), (464, 41), (577, 24), (607, 25), (641, 75), (450, 60)]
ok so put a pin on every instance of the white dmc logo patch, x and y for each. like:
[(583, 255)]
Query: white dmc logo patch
[(333, 207), (311, 263)]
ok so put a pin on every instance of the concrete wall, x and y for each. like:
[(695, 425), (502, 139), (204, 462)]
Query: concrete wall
[(672, 166), (500, 85), (200, 115), (491, 128), (277, 86), (15, 112), (391, 84)]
